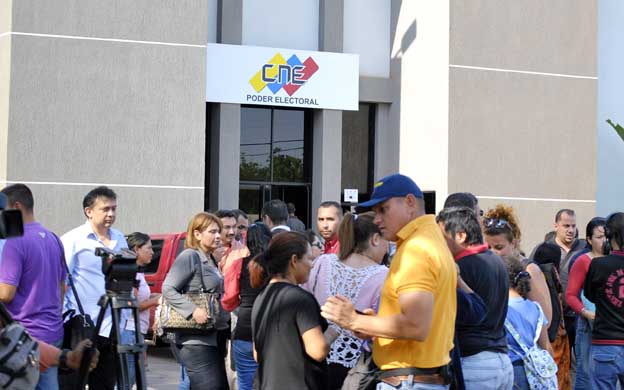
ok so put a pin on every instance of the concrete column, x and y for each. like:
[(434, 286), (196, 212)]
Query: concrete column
[(331, 20), (386, 143), (224, 156), (326, 158)]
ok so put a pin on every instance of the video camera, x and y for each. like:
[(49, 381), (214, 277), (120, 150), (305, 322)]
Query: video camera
[(119, 269), (11, 224)]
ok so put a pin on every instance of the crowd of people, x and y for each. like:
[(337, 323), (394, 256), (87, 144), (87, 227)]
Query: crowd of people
[(387, 297)]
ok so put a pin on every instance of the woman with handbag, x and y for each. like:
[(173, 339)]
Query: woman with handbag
[(287, 326), (527, 333), (193, 289)]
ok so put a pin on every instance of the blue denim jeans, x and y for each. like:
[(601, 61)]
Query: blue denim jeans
[(127, 337), (488, 371), (520, 379), (245, 364), (606, 366), (582, 352), (185, 382), (48, 380), (410, 385)]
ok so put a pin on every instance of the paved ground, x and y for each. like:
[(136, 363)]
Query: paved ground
[(163, 372)]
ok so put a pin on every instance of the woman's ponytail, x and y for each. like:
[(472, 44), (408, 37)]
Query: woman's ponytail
[(257, 273), (346, 236)]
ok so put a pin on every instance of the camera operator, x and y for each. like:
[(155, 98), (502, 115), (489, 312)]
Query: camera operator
[(31, 278), (100, 206)]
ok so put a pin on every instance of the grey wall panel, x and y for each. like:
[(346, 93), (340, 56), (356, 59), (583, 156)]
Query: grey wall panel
[(183, 21), (522, 135), (538, 218), (138, 209), (557, 36), (106, 112), (5, 86)]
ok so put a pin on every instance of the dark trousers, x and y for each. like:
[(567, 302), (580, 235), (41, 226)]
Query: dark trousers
[(336, 374), (570, 327), (205, 366), (103, 377)]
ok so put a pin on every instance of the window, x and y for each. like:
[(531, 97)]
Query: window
[(157, 246), (358, 146)]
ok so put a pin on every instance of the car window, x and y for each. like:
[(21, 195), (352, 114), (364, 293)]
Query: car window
[(157, 246), (181, 246)]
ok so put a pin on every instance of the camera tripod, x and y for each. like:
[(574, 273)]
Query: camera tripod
[(118, 301)]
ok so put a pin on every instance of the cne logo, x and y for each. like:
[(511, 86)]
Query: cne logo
[(279, 73)]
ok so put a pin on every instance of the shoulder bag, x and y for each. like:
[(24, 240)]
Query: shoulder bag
[(170, 320), (539, 366), (76, 326), (19, 355)]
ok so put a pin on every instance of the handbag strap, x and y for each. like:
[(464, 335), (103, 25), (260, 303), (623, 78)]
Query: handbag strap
[(70, 279), (514, 333), (197, 266)]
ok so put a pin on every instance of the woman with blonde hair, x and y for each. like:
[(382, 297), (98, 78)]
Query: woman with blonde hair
[(357, 274), (193, 270)]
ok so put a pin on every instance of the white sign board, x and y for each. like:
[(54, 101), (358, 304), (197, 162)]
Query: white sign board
[(281, 77), (351, 195)]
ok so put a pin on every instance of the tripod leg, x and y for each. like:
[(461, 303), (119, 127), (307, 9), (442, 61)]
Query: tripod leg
[(122, 357), (83, 372), (139, 357)]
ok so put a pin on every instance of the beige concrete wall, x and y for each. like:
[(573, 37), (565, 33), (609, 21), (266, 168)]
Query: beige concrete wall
[(122, 109), (522, 107)]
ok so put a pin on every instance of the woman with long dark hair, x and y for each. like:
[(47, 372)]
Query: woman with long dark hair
[(524, 319), (258, 237), (357, 274), (287, 326), (574, 296), (193, 269)]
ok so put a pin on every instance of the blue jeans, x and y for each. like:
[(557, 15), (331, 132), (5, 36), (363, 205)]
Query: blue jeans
[(127, 337), (245, 364), (488, 371), (48, 380), (520, 380), (606, 366), (582, 352), (410, 385), (185, 382)]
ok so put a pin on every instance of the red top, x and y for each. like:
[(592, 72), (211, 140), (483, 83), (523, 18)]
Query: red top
[(471, 250), (576, 278), (332, 246)]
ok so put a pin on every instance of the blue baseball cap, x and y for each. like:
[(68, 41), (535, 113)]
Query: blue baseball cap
[(392, 186)]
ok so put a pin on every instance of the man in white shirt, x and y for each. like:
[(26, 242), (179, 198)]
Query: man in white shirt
[(100, 207)]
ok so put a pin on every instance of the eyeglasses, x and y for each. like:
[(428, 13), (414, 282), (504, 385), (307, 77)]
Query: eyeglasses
[(496, 223), (318, 245), (242, 227), (481, 212)]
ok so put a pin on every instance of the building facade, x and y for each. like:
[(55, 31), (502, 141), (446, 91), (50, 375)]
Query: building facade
[(497, 98)]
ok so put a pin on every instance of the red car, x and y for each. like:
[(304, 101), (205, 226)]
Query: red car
[(166, 248)]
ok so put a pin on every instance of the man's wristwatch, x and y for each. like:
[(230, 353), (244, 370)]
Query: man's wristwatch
[(62, 360)]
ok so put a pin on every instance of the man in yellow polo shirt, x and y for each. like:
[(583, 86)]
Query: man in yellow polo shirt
[(413, 330)]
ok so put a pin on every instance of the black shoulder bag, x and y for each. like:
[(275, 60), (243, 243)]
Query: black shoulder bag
[(76, 327), (19, 355)]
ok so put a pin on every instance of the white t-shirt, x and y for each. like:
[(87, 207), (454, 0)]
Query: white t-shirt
[(144, 316)]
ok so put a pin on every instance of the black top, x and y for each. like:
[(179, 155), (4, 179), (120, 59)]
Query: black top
[(281, 314), (247, 295), (486, 274), (604, 285)]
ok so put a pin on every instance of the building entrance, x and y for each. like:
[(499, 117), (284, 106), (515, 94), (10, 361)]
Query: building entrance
[(275, 159)]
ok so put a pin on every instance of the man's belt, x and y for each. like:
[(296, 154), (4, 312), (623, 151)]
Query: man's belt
[(432, 376)]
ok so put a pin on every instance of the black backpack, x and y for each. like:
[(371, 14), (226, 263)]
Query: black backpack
[(554, 288)]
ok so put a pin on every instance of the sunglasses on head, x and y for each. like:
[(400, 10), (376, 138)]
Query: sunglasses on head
[(496, 223)]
